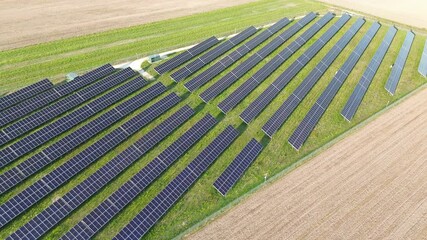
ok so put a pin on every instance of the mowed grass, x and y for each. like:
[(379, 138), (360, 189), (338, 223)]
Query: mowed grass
[(23, 66), (202, 200)]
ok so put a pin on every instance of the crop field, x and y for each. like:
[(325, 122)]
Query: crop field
[(23, 66)]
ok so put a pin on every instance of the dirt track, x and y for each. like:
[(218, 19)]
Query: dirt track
[(24, 23), (370, 185)]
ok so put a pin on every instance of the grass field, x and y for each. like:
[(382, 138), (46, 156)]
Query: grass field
[(22, 66)]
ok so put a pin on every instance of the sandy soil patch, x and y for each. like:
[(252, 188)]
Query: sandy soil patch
[(370, 185), (409, 12), (30, 22)]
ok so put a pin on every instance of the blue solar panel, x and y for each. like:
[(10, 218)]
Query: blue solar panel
[(65, 172), (230, 78), (142, 223), (206, 58), (53, 214), (307, 125), (24, 93), (422, 68), (52, 111), (36, 139), (100, 216), (256, 107), (83, 134), (356, 97), (13, 113), (186, 55), (239, 94), (224, 63), (237, 167), (399, 64)]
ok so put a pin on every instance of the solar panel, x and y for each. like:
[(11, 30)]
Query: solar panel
[(225, 62), (307, 125), (64, 105), (78, 137), (238, 166), (24, 93), (292, 102), (13, 113), (79, 194), (186, 55), (399, 64), (100, 216), (142, 223), (422, 68), (359, 92), (241, 92), (48, 132), (208, 57), (24, 200), (231, 77), (256, 107)]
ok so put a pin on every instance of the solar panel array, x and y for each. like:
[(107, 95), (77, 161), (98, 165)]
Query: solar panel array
[(31, 195), (74, 198), (146, 219), (186, 55), (362, 86), (208, 57), (292, 102), (307, 125), (247, 87), (76, 138), (24, 93), (238, 166), (64, 105), (422, 68), (11, 114), (225, 62), (255, 108), (231, 77), (399, 64), (36, 139), (101, 215)]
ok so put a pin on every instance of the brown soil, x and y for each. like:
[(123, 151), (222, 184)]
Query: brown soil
[(31, 22), (409, 12), (370, 185)]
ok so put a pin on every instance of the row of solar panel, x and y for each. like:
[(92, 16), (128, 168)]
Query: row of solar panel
[(255, 108), (422, 68), (48, 132), (295, 98), (300, 135), (247, 87), (231, 77), (208, 57), (225, 62), (399, 64), (17, 111), (78, 137), (24, 93), (186, 55), (19, 203)]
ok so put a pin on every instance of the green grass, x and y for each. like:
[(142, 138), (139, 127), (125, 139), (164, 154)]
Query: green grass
[(202, 200)]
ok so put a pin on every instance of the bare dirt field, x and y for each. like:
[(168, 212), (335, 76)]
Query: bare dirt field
[(30, 22), (409, 12), (370, 185)]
